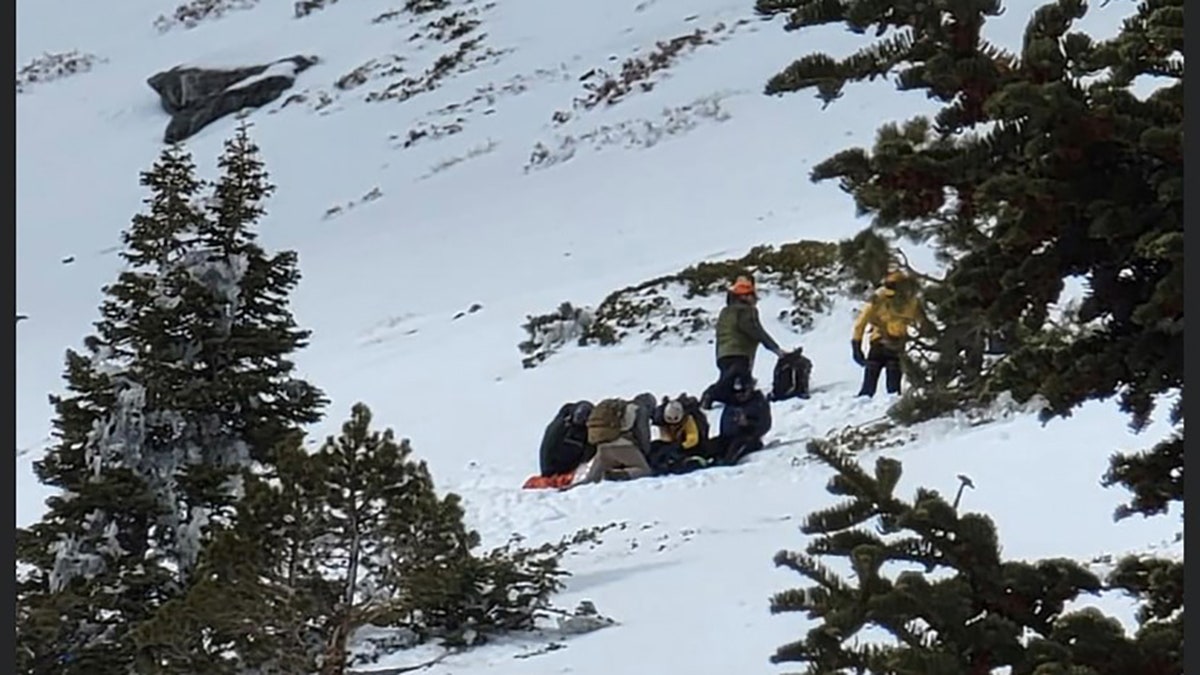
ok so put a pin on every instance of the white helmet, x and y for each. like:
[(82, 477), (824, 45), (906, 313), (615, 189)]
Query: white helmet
[(673, 412)]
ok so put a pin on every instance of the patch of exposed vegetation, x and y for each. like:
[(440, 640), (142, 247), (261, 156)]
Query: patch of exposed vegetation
[(875, 434), (303, 8), (637, 72), (54, 66), (387, 16), (450, 27), (372, 195), (549, 332), (476, 151), (193, 13), (638, 133), (465, 57), (387, 66), (488, 95), (425, 6), (428, 131), (318, 100), (899, 426), (809, 273)]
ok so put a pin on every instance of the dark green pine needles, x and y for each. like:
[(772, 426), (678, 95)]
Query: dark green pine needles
[(1041, 167), (934, 581)]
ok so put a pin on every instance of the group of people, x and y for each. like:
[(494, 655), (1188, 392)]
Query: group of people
[(588, 442)]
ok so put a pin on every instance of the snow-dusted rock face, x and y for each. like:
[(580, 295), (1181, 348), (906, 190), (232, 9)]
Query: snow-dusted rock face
[(195, 97)]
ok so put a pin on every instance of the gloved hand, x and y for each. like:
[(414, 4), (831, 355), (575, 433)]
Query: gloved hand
[(856, 350)]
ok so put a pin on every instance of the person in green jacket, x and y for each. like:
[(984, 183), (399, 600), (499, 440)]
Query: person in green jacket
[(739, 333)]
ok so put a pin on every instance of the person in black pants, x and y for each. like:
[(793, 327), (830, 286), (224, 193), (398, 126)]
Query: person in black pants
[(880, 359), (744, 422), (892, 310), (564, 444), (739, 334)]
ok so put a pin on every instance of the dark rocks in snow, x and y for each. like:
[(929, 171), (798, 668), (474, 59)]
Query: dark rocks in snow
[(195, 97), (475, 307)]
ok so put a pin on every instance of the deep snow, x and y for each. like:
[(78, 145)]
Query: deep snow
[(457, 220)]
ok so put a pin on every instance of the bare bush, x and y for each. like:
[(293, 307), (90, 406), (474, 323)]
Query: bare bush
[(54, 66)]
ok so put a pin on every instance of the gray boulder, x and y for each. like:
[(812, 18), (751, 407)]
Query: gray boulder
[(196, 97)]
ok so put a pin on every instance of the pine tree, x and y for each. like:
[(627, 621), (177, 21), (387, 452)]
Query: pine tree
[(1041, 166), (326, 543), (188, 391), (970, 612), (257, 602), (399, 554), (246, 361), (242, 395), (105, 553), (379, 510)]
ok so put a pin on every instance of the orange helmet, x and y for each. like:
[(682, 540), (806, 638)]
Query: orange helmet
[(743, 286)]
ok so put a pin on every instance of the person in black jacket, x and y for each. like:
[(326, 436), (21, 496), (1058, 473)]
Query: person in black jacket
[(564, 445), (743, 423)]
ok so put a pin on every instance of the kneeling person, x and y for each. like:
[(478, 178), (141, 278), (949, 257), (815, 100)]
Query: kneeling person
[(683, 433), (564, 444), (611, 428), (744, 422)]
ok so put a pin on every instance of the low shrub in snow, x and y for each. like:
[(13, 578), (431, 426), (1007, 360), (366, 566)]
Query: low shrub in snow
[(54, 66), (548, 332), (466, 56), (305, 7), (636, 73), (195, 12), (452, 26), (682, 305), (641, 133), (425, 6)]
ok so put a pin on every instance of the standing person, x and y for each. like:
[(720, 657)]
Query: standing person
[(890, 312), (739, 333)]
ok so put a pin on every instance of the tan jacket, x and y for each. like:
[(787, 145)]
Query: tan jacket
[(620, 456)]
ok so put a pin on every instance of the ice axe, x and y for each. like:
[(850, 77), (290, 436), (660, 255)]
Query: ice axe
[(964, 481)]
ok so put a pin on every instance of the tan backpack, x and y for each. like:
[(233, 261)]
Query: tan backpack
[(606, 421)]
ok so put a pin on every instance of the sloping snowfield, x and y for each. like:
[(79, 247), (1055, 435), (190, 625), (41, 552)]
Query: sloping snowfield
[(494, 202)]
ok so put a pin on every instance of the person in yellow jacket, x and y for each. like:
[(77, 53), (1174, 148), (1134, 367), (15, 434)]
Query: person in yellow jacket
[(889, 315), (679, 428), (682, 437)]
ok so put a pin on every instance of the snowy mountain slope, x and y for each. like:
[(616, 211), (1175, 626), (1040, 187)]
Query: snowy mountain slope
[(456, 220)]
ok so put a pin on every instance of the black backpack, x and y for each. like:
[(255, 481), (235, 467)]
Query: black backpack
[(791, 377)]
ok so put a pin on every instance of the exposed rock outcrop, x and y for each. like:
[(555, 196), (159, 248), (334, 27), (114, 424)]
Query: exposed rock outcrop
[(196, 97)]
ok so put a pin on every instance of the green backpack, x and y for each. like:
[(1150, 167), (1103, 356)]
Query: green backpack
[(606, 421)]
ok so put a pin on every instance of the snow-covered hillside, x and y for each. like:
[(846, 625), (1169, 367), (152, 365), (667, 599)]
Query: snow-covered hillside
[(497, 183)]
